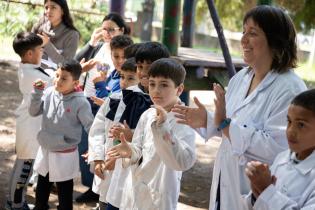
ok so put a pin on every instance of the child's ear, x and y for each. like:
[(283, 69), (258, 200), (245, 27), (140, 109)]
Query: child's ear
[(29, 53), (76, 83), (180, 89)]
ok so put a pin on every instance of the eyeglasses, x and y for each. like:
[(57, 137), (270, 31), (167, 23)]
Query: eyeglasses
[(111, 31)]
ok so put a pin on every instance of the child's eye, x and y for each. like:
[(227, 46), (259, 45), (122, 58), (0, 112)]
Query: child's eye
[(301, 125)]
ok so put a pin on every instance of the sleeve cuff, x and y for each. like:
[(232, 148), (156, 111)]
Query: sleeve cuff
[(211, 129), (266, 196)]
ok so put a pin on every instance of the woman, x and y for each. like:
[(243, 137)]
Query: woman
[(251, 116), (59, 35), (96, 50)]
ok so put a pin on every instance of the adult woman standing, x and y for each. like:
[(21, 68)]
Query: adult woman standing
[(60, 37), (96, 50), (251, 116)]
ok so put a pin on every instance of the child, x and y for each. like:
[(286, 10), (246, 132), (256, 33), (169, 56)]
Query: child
[(146, 54), (29, 47), (290, 183), (105, 86), (160, 148), (65, 110), (99, 139)]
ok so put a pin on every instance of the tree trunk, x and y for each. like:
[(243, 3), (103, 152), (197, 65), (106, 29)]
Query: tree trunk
[(225, 50), (147, 18)]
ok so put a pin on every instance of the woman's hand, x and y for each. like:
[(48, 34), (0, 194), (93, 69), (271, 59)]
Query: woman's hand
[(97, 35), (122, 150), (88, 65), (45, 38), (259, 176), (194, 117), (219, 102), (117, 129)]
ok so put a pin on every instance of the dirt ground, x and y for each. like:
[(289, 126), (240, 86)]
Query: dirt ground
[(196, 182)]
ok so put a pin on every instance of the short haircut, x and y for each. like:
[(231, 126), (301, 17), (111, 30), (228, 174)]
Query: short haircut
[(73, 67), (120, 42), (129, 65), (168, 68), (25, 41), (306, 100), (131, 50), (151, 51), (280, 32)]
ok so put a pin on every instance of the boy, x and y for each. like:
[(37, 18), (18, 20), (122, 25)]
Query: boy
[(29, 47), (160, 148), (290, 183), (65, 110), (103, 89), (109, 113)]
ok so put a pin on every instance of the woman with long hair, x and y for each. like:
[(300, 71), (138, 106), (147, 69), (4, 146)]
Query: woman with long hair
[(60, 37)]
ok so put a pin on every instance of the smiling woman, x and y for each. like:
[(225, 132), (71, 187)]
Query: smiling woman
[(251, 115), (59, 35)]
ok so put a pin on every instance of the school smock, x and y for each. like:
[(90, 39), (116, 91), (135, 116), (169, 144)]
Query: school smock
[(294, 188), (27, 126), (99, 141), (257, 131), (62, 119), (159, 155)]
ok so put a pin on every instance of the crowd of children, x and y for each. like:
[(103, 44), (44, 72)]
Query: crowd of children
[(137, 146)]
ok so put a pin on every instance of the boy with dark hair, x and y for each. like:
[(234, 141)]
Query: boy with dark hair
[(131, 50), (29, 47), (290, 182), (161, 148), (146, 54), (65, 110)]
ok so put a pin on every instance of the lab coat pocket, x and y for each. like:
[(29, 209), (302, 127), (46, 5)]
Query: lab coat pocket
[(146, 197)]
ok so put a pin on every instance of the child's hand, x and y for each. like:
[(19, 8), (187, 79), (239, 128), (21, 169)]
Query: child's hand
[(161, 114), (88, 65), (39, 84), (121, 150), (117, 129), (259, 176), (85, 156), (99, 168), (110, 163), (101, 77), (98, 101)]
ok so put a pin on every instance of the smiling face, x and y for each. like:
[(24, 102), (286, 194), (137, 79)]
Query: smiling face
[(110, 30), (143, 73), (64, 82), (53, 12), (256, 51), (300, 131), (163, 92)]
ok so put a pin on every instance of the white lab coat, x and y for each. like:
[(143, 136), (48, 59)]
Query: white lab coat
[(257, 131), (99, 142), (294, 188), (27, 126), (159, 155)]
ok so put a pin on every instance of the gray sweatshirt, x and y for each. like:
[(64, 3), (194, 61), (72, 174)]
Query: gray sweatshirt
[(63, 43), (63, 118)]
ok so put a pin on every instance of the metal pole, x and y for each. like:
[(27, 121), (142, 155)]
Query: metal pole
[(170, 29), (118, 6), (225, 50), (188, 23)]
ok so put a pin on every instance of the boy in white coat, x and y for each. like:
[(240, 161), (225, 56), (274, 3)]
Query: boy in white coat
[(29, 47), (160, 148), (290, 183)]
